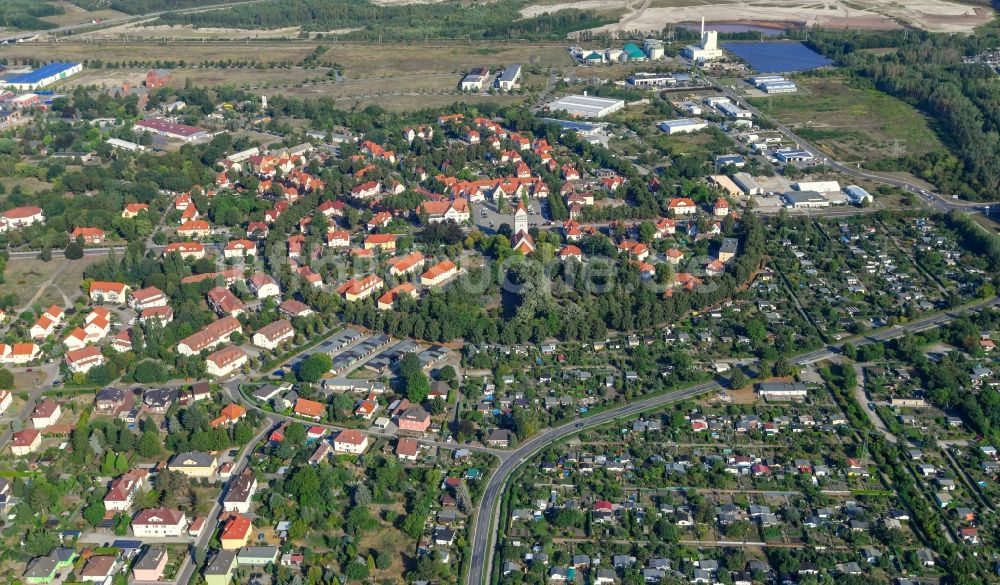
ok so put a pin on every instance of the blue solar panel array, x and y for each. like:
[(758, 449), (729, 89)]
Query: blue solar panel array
[(778, 56)]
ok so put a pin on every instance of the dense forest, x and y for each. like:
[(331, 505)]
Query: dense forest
[(143, 6), (27, 14), (398, 22), (963, 100)]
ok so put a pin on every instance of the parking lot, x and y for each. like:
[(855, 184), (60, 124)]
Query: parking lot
[(488, 220)]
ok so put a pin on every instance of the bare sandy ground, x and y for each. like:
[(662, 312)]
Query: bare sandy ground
[(931, 15), (144, 30)]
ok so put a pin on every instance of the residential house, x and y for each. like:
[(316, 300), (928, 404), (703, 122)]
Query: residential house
[(159, 522), (25, 442), (108, 292), (45, 414), (147, 298), (225, 361), (350, 441), (273, 334), (236, 532), (194, 464)]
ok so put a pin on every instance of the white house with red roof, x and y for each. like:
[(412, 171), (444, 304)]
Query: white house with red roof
[(47, 323), (350, 441), (225, 361), (108, 292), (25, 442), (121, 494), (721, 207), (159, 523), (146, 298), (240, 249), (366, 190), (682, 206), (273, 334), (192, 250), (81, 361), (45, 414), (21, 217)]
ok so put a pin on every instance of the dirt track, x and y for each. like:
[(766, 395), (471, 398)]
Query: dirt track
[(932, 15)]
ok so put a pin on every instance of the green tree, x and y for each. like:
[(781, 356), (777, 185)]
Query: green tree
[(121, 463), (39, 542), (357, 571), (409, 365), (94, 513), (447, 374), (417, 387), (313, 367), (6, 379), (149, 443), (74, 251)]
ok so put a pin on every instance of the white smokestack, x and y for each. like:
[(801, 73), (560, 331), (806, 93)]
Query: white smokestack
[(703, 28)]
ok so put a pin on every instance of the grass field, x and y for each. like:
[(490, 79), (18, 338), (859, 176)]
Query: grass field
[(356, 59), (56, 281), (394, 77), (852, 124), (75, 15), (27, 184)]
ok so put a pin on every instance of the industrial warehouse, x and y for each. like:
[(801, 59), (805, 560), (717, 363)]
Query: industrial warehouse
[(773, 84), (584, 106), (170, 130), (683, 125), (41, 77)]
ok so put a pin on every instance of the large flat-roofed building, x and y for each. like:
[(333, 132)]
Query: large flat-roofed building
[(821, 186), (858, 195), (789, 155), (731, 110), (683, 125), (41, 77), (783, 86), (640, 79), (782, 390), (759, 79), (170, 130), (585, 106), (509, 78), (747, 184), (805, 200), (773, 84)]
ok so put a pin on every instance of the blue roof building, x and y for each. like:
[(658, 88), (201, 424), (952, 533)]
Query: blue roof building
[(43, 76)]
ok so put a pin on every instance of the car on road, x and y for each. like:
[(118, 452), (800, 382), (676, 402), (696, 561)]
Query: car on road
[(579, 425)]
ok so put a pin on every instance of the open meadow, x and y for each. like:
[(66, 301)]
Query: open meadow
[(45, 283), (371, 73)]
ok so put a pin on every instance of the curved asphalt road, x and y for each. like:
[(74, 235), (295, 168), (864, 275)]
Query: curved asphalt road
[(487, 518)]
